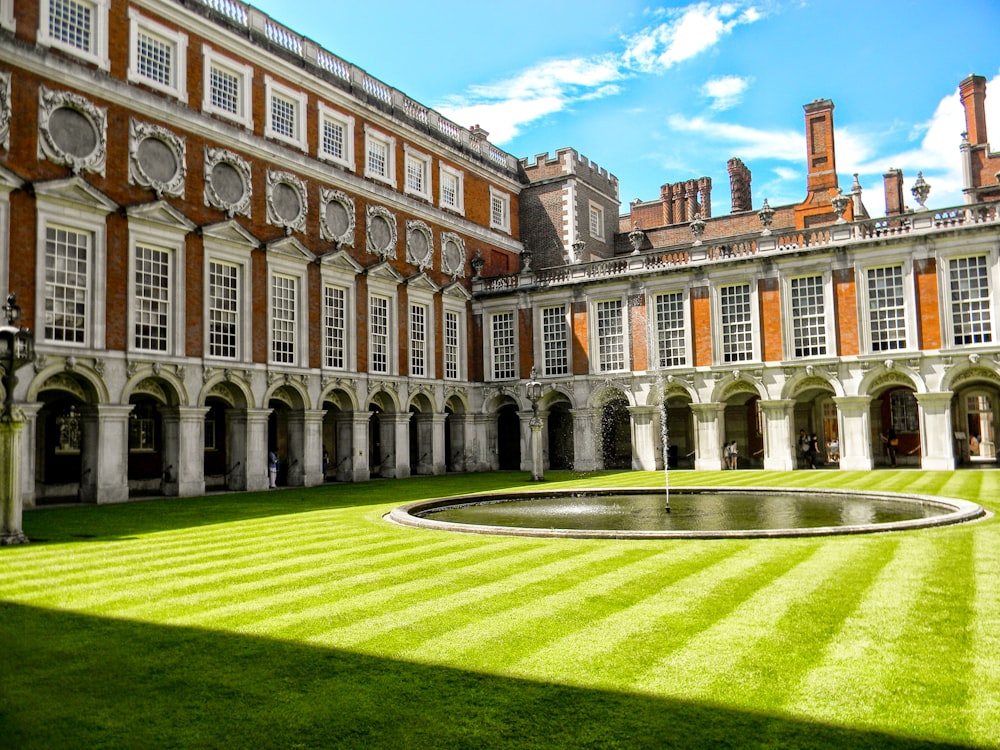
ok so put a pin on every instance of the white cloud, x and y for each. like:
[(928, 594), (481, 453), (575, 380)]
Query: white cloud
[(689, 32), (725, 91), (504, 108), (748, 143)]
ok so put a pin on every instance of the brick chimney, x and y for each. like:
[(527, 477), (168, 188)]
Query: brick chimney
[(973, 93), (819, 143), (739, 183), (893, 180)]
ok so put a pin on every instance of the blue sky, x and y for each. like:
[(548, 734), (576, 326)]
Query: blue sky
[(664, 92)]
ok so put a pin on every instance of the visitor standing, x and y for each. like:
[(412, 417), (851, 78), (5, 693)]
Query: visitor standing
[(272, 469), (812, 451), (891, 441), (803, 447)]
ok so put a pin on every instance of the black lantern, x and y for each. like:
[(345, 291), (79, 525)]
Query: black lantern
[(17, 348), (534, 389)]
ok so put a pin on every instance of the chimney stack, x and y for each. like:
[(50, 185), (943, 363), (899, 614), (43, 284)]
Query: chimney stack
[(893, 180), (973, 92)]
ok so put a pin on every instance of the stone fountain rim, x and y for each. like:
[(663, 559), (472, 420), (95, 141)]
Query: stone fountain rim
[(961, 511)]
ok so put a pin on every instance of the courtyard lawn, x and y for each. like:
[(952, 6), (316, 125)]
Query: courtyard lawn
[(298, 618)]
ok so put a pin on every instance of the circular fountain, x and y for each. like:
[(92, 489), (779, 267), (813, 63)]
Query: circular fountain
[(690, 512)]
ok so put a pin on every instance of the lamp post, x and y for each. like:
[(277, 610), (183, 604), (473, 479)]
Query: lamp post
[(17, 348), (534, 390)]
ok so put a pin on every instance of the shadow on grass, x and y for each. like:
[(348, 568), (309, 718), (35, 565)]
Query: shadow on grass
[(104, 522), (71, 681)]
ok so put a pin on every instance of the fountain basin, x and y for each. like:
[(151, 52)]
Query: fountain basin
[(695, 512)]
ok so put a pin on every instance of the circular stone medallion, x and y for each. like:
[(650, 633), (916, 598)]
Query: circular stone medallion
[(157, 160), (72, 132), (380, 233), (337, 218), (286, 202), (228, 183)]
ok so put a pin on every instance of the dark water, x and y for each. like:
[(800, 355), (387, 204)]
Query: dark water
[(702, 511)]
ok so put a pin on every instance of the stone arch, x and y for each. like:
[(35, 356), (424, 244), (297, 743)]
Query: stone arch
[(736, 384), (340, 395), (808, 381), (975, 412), (675, 436), (894, 413), (232, 389), (610, 390), (83, 381), (888, 375), (557, 394), (288, 392), (161, 385), (963, 373)]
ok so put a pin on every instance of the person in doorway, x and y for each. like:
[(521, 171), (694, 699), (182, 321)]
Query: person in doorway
[(803, 447), (272, 469), (812, 451), (326, 461), (732, 456), (891, 445)]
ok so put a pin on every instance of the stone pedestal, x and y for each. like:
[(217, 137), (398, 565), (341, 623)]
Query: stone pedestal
[(11, 431), (537, 462), (855, 432), (936, 432)]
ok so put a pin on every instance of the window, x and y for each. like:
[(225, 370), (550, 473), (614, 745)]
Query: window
[(336, 137), (335, 327), (380, 159), (596, 221), (223, 310), (671, 350), (451, 345), (504, 360), (737, 323), (418, 173), (555, 341), (283, 319), (157, 56), (152, 299), (610, 336), (227, 88), (968, 285), (499, 210), (452, 189), (418, 341), (142, 428), (286, 114), (378, 333), (808, 317), (79, 27), (903, 411), (67, 272), (886, 308)]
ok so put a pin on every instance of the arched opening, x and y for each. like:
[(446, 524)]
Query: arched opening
[(744, 425), (508, 438), (895, 421), (146, 470), (560, 436), (679, 435), (975, 417), (59, 447), (616, 433), (815, 413)]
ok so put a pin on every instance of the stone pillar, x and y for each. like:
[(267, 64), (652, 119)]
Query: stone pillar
[(399, 423), (311, 459), (779, 449), (525, 438), (537, 461), (183, 450), (458, 425), (937, 441), (246, 436), (104, 459), (438, 461), (11, 434), (855, 432), (708, 418), (356, 468), (586, 436), (644, 437), (478, 444), (29, 453)]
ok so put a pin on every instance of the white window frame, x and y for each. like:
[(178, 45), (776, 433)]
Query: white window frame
[(422, 162), (492, 350), (276, 90), (654, 327), (7, 20), (599, 363), (389, 291), (243, 73), (176, 41), (58, 214), (718, 332), (503, 199), (788, 318), (909, 305), (541, 333), (328, 114), (220, 253), (595, 210), (173, 244), (98, 52), (420, 352), (947, 305), (297, 271), (238, 286), (460, 343), (373, 136), (450, 173)]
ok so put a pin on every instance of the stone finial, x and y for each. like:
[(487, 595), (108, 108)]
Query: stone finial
[(921, 189), (766, 216)]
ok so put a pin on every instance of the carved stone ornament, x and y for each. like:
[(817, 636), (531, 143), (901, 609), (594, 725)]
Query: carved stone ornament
[(72, 131), (156, 159), (336, 217), (228, 185), (381, 235), (419, 244), (287, 202), (5, 110), (452, 254)]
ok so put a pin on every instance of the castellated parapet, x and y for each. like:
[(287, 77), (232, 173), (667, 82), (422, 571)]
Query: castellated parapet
[(568, 161)]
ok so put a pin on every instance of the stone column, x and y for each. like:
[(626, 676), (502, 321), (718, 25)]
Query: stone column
[(779, 451), (357, 469), (104, 459), (537, 461), (586, 431), (708, 418), (644, 437), (937, 440), (399, 423), (183, 450), (458, 426), (246, 436), (11, 434), (525, 437), (482, 438), (29, 453), (312, 447), (438, 461), (855, 432)]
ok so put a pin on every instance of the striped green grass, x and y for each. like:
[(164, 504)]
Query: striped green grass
[(300, 618)]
